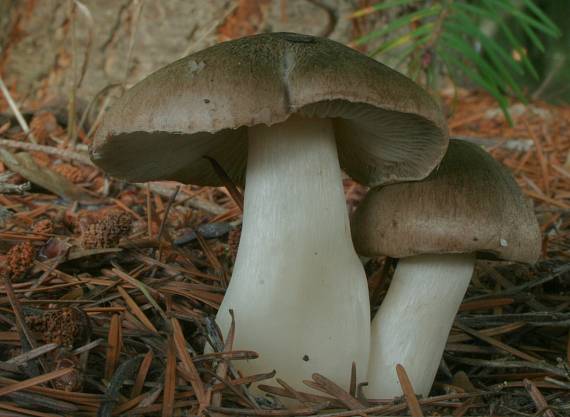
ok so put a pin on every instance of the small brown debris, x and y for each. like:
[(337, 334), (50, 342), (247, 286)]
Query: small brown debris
[(54, 247), (20, 259), (105, 232), (219, 249), (246, 19), (43, 227), (43, 125), (68, 327), (72, 173), (461, 380), (73, 381), (233, 242), (42, 159)]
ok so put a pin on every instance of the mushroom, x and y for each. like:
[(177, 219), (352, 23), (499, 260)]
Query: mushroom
[(470, 204), (294, 109)]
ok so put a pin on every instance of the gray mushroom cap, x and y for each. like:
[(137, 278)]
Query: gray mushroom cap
[(469, 203), (387, 128)]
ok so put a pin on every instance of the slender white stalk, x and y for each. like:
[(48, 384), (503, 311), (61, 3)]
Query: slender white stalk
[(413, 322), (298, 289)]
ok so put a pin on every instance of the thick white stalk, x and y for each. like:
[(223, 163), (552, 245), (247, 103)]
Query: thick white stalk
[(413, 322), (298, 289)]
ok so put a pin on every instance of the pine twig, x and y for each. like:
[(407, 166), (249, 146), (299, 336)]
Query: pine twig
[(50, 150)]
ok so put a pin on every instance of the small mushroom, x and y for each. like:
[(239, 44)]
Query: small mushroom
[(468, 205), (294, 109)]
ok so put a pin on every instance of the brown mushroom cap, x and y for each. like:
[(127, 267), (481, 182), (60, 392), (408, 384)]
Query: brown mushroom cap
[(470, 203), (388, 129)]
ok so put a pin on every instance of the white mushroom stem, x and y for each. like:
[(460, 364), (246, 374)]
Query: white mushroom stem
[(298, 289), (413, 322)]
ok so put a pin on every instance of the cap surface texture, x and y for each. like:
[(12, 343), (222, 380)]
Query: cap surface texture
[(469, 203), (387, 128)]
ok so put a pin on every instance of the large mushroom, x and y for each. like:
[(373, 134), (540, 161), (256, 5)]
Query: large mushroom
[(470, 204), (289, 107)]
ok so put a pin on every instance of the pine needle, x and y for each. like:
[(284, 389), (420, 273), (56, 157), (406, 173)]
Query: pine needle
[(188, 365), (169, 379), (408, 390), (114, 342)]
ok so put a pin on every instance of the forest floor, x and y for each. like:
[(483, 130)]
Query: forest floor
[(106, 286)]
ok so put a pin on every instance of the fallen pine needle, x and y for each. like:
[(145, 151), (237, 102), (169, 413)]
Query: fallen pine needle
[(538, 399), (169, 380), (114, 342), (408, 390), (188, 365), (34, 381)]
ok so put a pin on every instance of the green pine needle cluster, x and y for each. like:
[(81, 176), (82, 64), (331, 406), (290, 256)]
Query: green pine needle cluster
[(450, 35)]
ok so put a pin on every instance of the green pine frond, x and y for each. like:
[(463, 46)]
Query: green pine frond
[(452, 62), (452, 31), (412, 37), (378, 7), (399, 23)]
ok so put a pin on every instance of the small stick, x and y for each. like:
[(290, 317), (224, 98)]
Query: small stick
[(6, 188), (193, 202), (305, 411), (541, 366), (16, 111), (66, 154), (556, 382), (305, 396), (531, 284), (32, 354), (233, 355), (540, 318), (494, 342), (135, 19)]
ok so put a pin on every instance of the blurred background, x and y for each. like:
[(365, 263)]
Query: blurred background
[(506, 47)]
